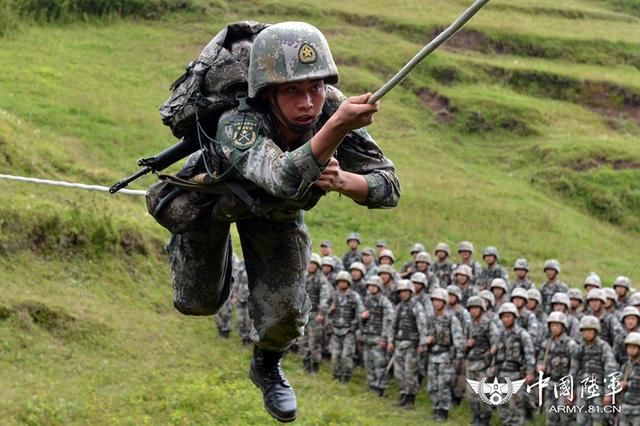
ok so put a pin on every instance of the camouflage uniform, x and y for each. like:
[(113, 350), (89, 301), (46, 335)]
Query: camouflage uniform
[(350, 257), (346, 310), (489, 274), (318, 291), (630, 409), (223, 318), (443, 271), (245, 324), (375, 330), (618, 344)]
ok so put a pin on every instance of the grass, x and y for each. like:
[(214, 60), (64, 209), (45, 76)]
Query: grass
[(527, 160)]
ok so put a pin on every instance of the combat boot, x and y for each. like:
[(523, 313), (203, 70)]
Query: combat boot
[(380, 392), (410, 400), (306, 365), (266, 373), (402, 400), (314, 367)]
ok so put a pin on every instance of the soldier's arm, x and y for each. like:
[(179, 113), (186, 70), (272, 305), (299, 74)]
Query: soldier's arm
[(609, 360), (534, 328), (529, 356), (457, 337), (325, 297), (421, 317), (388, 315), (359, 305)]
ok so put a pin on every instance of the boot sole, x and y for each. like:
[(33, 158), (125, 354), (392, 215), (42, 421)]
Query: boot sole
[(274, 415)]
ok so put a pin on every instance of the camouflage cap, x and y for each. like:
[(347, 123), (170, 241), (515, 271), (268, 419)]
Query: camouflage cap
[(289, 52), (326, 243), (622, 281), (455, 290), (387, 253), (519, 292), (344, 276), (521, 264), (593, 279), (386, 269), (328, 261), (443, 247), (465, 246), (423, 256), (596, 294), (632, 338), (551, 264), (491, 251), (353, 236), (358, 266), (589, 322), (315, 258), (630, 310), (508, 308), (558, 317), (476, 301), (634, 299), (464, 270), (499, 283), (562, 298), (405, 285), (439, 294), (375, 281), (534, 295), (575, 293), (419, 277), (488, 296)]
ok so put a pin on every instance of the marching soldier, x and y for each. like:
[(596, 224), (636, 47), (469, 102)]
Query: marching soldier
[(319, 292), (410, 267), (493, 269), (443, 267), (609, 325), (353, 255), (369, 263), (553, 284), (329, 270), (387, 275), (358, 282), (577, 303), (462, 279), (465, 250), (500, 292), (423, 264), (521, 269), (622, 286), (560, 303), (535, 306), (526, 319), (630, 409), (455, 306), (630, 324)]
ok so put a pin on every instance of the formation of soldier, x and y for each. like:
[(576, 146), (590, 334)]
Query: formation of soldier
[(436, 322)]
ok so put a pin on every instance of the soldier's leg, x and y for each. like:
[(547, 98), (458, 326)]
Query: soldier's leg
[(223, 319), (315, 341), (336, 352), (398, 368), (411, 370), (276, 256), (304, 346), (381, 361), (446, 382), (481, 411), (432, 382), (459, 383), (512, 412), (368, 361), (629, 415), (348, 352), (244, 321)]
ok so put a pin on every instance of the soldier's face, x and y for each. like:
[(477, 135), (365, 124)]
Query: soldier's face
[(595, 305), (325, 251), (312, 268), (405, 295), (521, 273), (366, 259), (356, 274), (519, 302), (575, 303), (475, 312), (633, 351), (438, 304), (559, 307), (532, 305), (441, 255), (343, 285), (588, 335), (385, 260), (418, 287), (490, 260), (326, 269), (462, 279), (422, 266), (353, 244), (620, 291), (385, 277), (497, 292), (631, 322), (373, 290), (551, 274), (453, 299), (301, 102), (556, 329), (507, 319), (465, 255)]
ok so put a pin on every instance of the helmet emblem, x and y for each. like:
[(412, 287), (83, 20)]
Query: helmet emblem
[(307, 54)]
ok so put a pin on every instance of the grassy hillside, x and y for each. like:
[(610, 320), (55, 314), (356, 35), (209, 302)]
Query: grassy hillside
[(522, 133)]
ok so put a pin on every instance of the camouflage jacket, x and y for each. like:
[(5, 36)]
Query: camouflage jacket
[(345, 312), (489, 274), (631, 371), (619, 349), (593, 359), (242, 284), (527, 284), (411, 310), (529, 322), (556, 355), (476, 269), (444, 272), (547, 291), (319, 292), (448, 342), (485, 334), (515, 351), (381, 316), (350, 257)]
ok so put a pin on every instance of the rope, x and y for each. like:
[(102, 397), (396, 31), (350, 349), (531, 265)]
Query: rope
[(71, 185)]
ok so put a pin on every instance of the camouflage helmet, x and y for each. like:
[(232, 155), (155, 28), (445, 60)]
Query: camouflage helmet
[(386, 269), (465, 246), (596, 294), (534, 295), (326, 243), (358, 266), (521, 264), (562, 298), (519, 292), (490, 251), (375, 281), (381, 243), (443, 247), (405, 285), (387, 253), (589, 322), (622, 281), (344, 276), (632, 338), (593, 279), (455, 290), (630, 310), (476, 301), (634, 299), (551, 264), (558, 317), (353, 236), (315, 258), (464, 270), (368, 251), (508, 308), (440, 294), (417, 248), (575, 293), (425, 257), (419, 277), (328, 261), (289, 52), (499, 283), (488, 296), (610, 293)]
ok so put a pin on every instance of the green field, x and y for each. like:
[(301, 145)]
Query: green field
[(521, 133)]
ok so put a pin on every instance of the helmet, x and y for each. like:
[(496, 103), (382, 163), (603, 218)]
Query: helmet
[(328, 260), (455, 290), (561, 298), (610, 293), (417, 248), (405, 285), (344, 276), (632, 338), (358, 266), (425, 257), (465, 246), (440, 294), (353, 236), (575, 293), (521, 264), (558, 317), (534, 295), (622, 281), (519, 292), (498, 283), (315, 258), (476, 301), (419, 277), (464, 270), (589, 322), (490, 251), (552, 264), (386, 269), (375, 281), (288, 52), (593, 279), (387, 253), (630, 310), (381, 243), (508, 308), (326, 243), (367, 250), (596, 294), (443, 247), (488, 296), (634, 299)]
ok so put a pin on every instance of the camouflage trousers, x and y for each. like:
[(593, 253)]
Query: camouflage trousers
[(481, 410), (342, 350), (551, 404), (223, 317), (441, 379), (629, 415), (589, 414), (245, 324), (376, 359), (512, 412), (405, 366), (276, 255), (311, 340)]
